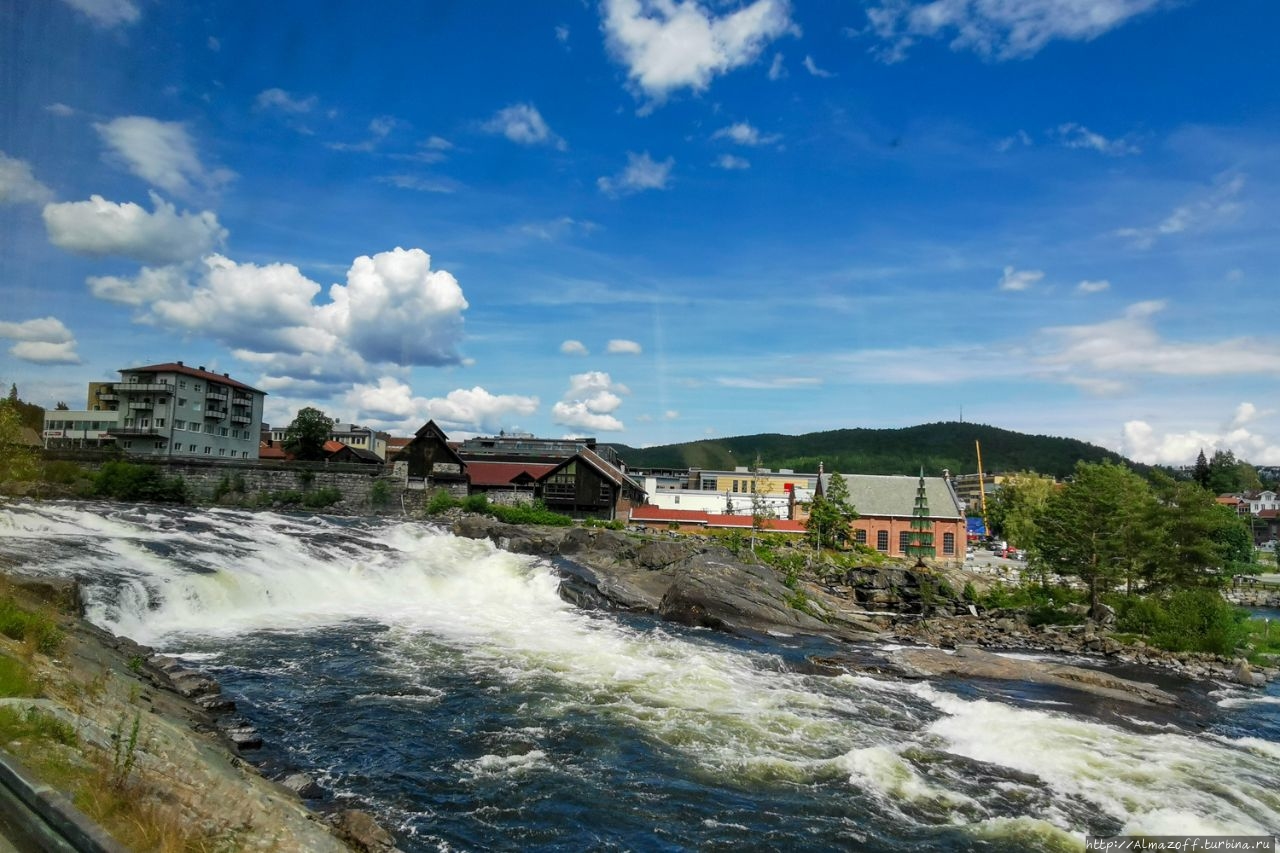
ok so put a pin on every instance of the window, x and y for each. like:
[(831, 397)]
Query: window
[(179, 424), (882, 541), (709, 485), (677, 498), (222, 430), (182, 401), (208, 428), (604, 493), (904, 538), (127, 444), (207, 450), (948, 543), (191, 448), (159, 422), (560, 486), (222, 451), (860, 536), (182, 383), (735, 485), (244, 454)]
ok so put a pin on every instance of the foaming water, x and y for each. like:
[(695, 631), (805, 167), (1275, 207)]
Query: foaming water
[(444, 684)]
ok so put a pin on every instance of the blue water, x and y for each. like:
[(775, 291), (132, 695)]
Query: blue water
[(445, 686)]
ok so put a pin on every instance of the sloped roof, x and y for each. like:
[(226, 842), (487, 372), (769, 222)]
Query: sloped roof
[(176, 367), (883, 495), (272, 451), (606, 469), (503, 473)]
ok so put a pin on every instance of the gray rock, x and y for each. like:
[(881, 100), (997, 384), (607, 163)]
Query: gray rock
[(362, 832), (303, 785)]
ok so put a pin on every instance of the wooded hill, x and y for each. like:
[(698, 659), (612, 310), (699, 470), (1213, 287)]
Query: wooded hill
[(880, 451)]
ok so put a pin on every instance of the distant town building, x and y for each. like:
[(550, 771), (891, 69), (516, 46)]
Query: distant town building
[(885, 505)]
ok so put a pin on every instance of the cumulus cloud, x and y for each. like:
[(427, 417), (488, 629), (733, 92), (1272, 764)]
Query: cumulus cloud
[(642, 173), (107, 13), (667, 46), (1093, 286), (574, 348), (99, 227), (997, 29), (18, 184), (1213, 207), (60, 109), (41, 341), (278, 100), (522, 123), (590, 402), (730, 162), (1073, 135), (474, 409), (161, 153), (744, 134), (619, 346), (149, 285), (1018, 280), (812, 68), (1144, 443)]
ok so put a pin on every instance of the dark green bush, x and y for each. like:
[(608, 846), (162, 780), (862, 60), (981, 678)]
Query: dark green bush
[(476, 503), (63, 473), (440, 502), (1186, 620), (127, 481), (38, 629), (380, 493), (535, 513), (323, 497)]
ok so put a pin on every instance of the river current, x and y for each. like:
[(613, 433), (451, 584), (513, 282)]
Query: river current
[(445, 686)]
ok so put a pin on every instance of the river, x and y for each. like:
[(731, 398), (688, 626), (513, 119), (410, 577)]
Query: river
[(444, 685)]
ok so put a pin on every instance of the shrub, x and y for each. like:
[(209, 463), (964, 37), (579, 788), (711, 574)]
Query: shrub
[(616, 524), (970, 593), (1187, 620), (16, 679), (37, 629), (476, 503), (440, 502), (380, 493), (127, 481), (64, 473), (320, 498), (535, 513)]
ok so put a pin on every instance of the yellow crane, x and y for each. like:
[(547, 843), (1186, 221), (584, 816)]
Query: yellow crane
[(982, 487)]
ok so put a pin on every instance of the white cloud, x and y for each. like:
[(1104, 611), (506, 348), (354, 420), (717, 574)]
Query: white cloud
[(776, 69), (667, 45), (161, 153), (213, 44), (1093, 286), (379, 129), (1018, 280), (562, 33), (100, 227), (420, 183), (149, 285), (61, 110), (1130, 345), (1073, 135), (574, 348), (42, 341), (642, 173), (1019, 138), (1142, 442), (744, 134), (730, 162), (671, 414), (279, 100), (590, 402), (1245, 413), (812, 68), (999, 29), (107, 13), (618, 346), (776, 383), (522, 123), (1215, 206), (474, 409), (18, 184)]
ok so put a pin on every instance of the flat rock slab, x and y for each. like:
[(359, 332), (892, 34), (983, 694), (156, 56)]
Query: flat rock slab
[(976, 663)]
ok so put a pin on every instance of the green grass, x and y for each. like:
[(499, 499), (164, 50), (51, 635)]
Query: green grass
[(32, 723), (16, 679), (36, 629)]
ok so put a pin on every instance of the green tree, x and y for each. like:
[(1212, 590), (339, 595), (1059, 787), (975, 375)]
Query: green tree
[(1196, 540), (306, 436), (1224, 473), (1093, 528), (831, 513), (760, 510), (1201, 471), (18, 460), (1013, 512)]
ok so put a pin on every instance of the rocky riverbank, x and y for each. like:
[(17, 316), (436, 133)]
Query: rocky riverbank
[(697, 582), (167, 738)]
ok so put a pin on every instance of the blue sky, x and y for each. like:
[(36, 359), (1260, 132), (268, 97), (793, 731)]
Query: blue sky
[(656, 221)]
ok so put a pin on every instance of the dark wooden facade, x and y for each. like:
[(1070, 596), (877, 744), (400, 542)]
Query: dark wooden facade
[(585, 485), (430, 458)]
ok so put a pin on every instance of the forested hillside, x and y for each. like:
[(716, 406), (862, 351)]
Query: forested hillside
[(880, 451)]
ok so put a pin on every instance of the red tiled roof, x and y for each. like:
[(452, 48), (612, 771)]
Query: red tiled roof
[(655, 513), (272, 452), (174, 367), (503, 473), (331, 446), (1268, 513)]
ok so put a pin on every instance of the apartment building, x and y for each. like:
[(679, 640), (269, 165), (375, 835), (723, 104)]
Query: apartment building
[(174, 410)]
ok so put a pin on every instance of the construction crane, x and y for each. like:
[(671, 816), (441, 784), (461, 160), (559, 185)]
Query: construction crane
[(982, 487)]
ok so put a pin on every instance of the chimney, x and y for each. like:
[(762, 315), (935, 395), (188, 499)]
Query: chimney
[(201, 367), (179, 364)]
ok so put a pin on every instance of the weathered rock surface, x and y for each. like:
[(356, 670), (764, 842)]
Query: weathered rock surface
[(972, 662), (362, 832), (684, 581)]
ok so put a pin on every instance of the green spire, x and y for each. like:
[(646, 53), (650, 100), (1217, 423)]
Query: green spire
[(920, 543)]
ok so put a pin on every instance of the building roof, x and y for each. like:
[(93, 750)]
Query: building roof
[(272, 451), (332, 446), (197, 372), (397, 443), (883, 495), (504, 473)]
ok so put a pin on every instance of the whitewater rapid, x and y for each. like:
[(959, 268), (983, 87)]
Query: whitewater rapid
[(432, 615)]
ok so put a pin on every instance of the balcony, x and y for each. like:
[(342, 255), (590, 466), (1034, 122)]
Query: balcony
[(216, 414), (237, 418), (131, 432), (131, 387), (140, 406), (220, 396), (241, 400), (109, 397)]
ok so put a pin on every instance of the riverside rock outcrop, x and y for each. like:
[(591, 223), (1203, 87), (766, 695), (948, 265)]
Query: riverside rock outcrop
[(685, 581)]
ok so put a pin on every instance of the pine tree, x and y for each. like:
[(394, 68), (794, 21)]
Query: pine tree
[(1201, 472), (920, 543)]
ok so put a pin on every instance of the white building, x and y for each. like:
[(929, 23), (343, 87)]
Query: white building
[(66, 429)]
